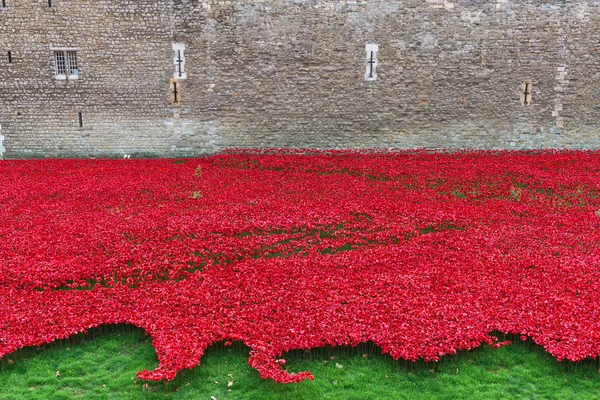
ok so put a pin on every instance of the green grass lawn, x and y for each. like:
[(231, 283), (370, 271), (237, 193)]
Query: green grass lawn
[(104, 367)]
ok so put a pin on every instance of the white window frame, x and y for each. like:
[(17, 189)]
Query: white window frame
[(179, 51), (371, 72), (70, 60)]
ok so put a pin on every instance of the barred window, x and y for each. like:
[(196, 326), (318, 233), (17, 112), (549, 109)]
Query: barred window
[(72, 60), (61, 68), (65, 62)]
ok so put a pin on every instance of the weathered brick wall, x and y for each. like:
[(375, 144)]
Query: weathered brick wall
[(290, 73)]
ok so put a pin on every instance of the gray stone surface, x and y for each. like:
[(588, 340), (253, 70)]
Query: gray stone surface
[(291, 73)]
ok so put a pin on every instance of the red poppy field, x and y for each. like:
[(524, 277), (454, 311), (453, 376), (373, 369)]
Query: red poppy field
[(421, 253)]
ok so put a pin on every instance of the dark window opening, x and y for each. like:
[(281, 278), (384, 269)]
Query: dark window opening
[(49, 3), (80, 120), (3, 3), (10, 57)]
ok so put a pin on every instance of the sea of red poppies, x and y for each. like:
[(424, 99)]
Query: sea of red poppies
[(422, 253)]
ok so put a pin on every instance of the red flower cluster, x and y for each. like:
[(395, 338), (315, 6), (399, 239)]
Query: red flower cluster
[(421, 253)]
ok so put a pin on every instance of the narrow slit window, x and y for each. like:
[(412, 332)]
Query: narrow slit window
[(3, 3), (66, 66), (10, 57), (371, 72), (526, 91), (49, 3), (175, 93), (179, 61), (80, 120)]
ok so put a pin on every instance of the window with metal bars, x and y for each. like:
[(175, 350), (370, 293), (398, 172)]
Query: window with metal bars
[(65, 62), (72, 62)]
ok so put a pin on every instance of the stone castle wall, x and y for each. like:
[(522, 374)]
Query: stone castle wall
[(291, 73)]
